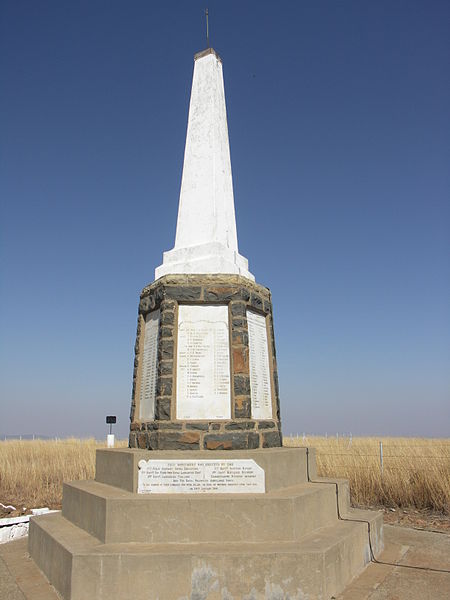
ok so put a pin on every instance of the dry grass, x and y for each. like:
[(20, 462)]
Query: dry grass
[(416, 471), (32, 472)]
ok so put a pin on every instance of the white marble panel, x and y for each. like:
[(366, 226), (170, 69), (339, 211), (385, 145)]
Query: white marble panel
[(200, 477), (149, 357), (203, 363), (260, 384)]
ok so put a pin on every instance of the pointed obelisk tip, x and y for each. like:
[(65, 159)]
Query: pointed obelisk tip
[(206, 52)]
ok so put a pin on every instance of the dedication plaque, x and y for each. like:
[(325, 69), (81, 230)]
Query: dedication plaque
[(260, 385), (203, 363), (200, 477), (148, 369)]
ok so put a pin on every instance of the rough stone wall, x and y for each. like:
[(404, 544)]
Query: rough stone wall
[(241, 432)]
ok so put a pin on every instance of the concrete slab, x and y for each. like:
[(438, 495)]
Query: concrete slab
[(20, 579), (318, 566), (406, 547)]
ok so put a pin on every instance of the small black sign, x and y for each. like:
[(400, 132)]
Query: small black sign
[(111, 419)]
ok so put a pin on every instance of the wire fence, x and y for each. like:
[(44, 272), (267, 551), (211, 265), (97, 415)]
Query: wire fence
[(388, 455)]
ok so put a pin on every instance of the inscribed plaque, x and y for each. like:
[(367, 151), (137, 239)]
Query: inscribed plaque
[(203, 363), (148, 368), (260, 385), (200, 477)]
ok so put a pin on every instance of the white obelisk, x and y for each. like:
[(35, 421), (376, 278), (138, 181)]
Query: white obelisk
[(206, 239)]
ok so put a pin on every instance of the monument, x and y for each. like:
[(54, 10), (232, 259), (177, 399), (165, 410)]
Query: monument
[(205, 503)]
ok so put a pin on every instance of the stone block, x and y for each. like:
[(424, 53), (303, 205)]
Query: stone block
[(163, 409), (167, 317), (166, 349), (231, 441), (266, 425), (197, 426), (239, 425), (180, 440), (164, 386), (242, 407), (240, 360), (241, 385), (271, 439), (183, 293), (238, 309)]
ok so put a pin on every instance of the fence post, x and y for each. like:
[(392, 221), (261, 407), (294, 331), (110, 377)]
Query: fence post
[(381, 457)]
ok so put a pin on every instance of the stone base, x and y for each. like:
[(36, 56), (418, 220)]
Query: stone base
[(112, 543), (164, 429)]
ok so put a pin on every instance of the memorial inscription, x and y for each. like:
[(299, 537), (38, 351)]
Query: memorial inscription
[(203, 363), (260, 384), (200, 477), (148, 369)]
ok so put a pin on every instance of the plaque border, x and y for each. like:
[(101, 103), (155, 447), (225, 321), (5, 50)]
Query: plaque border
[(174, 407), (270, 361)]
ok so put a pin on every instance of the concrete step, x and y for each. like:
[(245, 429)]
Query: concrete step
[(114, 515), (282, 466), (81, 567)]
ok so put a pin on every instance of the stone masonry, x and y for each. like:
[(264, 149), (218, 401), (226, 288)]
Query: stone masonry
[(165, 432)]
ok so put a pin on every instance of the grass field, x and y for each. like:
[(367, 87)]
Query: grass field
[(416, 472)]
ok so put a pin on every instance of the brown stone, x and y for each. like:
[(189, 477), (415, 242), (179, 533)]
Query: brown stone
[(141, 440), (240, 337), (240, 360), (242, 407), (228, 441), (180, 440)]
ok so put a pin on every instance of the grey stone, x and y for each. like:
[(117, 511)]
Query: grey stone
[(167, 317), (236, 425), (241, 385), (253, 440), (238, 309), (183, 293), (166, 332), (198, 426), (165, 367), (163, 409), (266, 425), (256, 301), (164, 386), (166, 349), (170, 425), (271, 439)]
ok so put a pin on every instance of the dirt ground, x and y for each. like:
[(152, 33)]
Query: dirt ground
[(417, 519)]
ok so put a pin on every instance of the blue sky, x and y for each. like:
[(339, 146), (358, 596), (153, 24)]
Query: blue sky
[(339, 131)]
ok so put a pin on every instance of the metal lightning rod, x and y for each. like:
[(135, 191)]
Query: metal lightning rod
[(207, 29)]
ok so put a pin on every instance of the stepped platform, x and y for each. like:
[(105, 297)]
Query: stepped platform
[(111, 542)]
